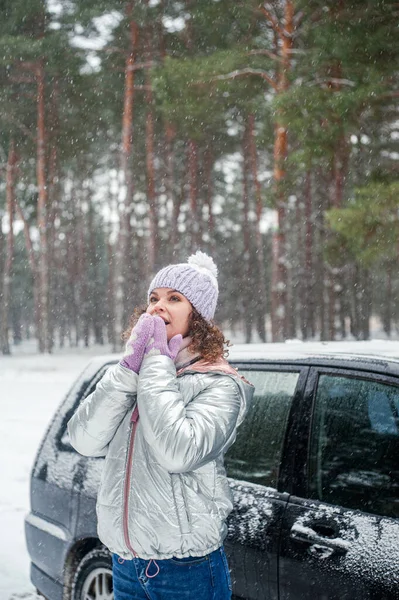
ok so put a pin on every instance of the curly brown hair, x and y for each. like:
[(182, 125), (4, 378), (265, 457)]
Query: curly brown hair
[(207, 338)]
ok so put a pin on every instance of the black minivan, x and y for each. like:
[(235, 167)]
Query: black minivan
[(314, 474)]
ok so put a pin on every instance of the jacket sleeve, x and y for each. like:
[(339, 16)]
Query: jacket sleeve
[(96, 420), (184, 438)]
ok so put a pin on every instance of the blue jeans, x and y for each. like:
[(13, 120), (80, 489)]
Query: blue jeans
[(191, 578)]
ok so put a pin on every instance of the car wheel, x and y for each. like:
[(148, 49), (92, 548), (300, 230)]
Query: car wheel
[(93, 577)]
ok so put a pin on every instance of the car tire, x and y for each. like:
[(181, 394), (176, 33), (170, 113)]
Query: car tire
[(93, 576)]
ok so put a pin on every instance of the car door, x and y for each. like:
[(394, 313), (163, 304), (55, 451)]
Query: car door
[(254, 465), (340, 533)]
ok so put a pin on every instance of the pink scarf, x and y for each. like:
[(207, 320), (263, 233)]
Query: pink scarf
[(184, 358)]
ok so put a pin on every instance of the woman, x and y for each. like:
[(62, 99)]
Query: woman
[(164, 417)]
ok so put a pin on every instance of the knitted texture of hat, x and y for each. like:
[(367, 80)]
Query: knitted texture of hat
[(196, 280)]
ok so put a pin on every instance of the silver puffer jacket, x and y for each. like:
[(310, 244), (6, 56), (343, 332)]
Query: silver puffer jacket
[(163, 489)]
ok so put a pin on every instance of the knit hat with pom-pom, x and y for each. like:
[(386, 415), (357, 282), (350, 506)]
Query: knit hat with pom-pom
[(196, 280)]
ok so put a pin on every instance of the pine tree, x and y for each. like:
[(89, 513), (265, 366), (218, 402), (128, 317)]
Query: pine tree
[(345, 73)]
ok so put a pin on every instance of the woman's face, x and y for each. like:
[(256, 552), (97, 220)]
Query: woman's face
[(173, 308)]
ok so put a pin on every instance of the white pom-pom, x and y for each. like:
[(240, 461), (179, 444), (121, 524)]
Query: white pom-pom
[(204, 263)]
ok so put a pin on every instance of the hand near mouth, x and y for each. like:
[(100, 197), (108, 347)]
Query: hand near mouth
[(140, 335), (164, 320), (158, 344)]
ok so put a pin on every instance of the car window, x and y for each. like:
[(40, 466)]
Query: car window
[(354, 448), (256, 454), (62, 440)]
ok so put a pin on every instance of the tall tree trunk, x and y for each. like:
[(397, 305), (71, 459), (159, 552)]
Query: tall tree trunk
[(334, 278), (279, 277), (279, 304), (172, 203), (111, 331), (365, 304), (16, 324), (208, 166), (387, 309), (95, 300), (329, 268), (308, 284), (51, 216), (83, 263), (354, 302), (171, 196), (153, 239), (247, 299), (342, 306), (245, 201), (72, 291), (174, 233), (338, 177), (300, 266), (75, 269), (260, 307), (332, 300), (42, 280), (32, 260), (320, 288), (7, 272), (193, 194), (150, 167), (125, 186), (52, 201)]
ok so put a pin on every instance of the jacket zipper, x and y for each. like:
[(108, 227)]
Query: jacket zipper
[(183, 491), (133, 425)]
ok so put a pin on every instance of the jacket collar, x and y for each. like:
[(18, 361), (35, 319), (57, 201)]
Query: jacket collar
[(193, 361), (185, 357), (186, 360)]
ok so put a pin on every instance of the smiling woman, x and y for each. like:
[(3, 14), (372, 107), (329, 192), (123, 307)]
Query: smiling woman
[(164, 418)]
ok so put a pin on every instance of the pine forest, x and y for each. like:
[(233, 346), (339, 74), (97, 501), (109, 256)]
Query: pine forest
[(135, 132)]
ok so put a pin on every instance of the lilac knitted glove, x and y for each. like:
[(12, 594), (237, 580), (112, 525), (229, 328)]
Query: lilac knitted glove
[(158, 344), (141, 333)]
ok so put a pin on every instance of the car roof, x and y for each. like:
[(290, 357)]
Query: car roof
[(374, 355), (379, 356)]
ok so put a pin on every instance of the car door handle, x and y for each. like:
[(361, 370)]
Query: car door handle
[(309, 535)]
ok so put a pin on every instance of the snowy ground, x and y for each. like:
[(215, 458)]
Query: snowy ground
[(31, 387)]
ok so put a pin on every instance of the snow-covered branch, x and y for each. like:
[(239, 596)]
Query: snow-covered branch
[(243, 73)]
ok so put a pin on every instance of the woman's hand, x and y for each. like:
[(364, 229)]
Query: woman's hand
[(158, 344), (136, 345)]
